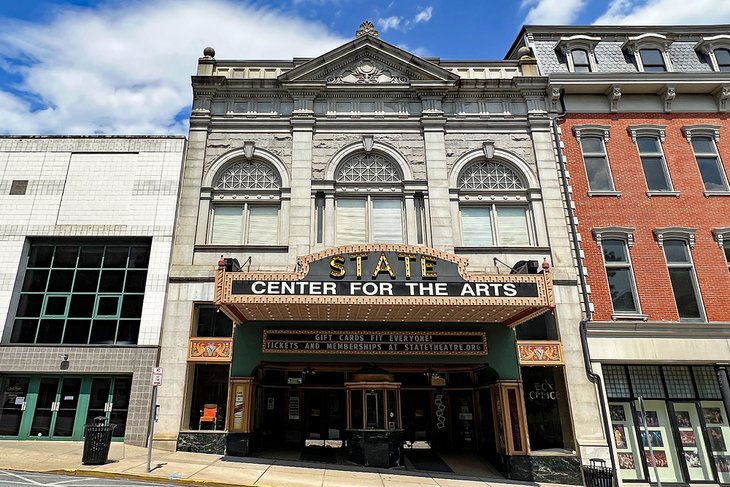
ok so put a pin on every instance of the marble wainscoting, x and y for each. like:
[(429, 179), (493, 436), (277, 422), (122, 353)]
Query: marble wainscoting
[(558, 469), (202, 442)]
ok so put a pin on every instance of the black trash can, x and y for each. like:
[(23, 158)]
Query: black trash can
[(597, 474), (97, 440)]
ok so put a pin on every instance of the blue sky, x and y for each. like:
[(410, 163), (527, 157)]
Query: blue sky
[(123, 67)]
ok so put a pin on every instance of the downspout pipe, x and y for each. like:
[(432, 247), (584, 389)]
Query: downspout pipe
[(592, 376)]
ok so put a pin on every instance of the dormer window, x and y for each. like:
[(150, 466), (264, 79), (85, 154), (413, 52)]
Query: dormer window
[(722, 56), (652, 60), (579, 52), (717, 51), (581, 64), (650, 52)]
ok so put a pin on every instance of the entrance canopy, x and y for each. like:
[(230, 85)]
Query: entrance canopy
[(382, 283)]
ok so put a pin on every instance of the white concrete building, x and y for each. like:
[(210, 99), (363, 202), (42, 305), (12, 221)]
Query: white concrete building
[(86, 229)]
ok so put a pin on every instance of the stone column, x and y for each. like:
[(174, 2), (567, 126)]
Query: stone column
[(433, 124), (300, 213)]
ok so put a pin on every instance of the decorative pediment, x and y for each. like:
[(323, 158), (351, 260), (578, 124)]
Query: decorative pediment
[(367, 71), (368, 60)]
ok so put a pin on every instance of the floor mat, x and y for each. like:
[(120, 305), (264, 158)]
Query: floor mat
[(319, 454), (427, 460)]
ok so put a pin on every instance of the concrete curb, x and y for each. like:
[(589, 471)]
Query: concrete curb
[(79, 472)]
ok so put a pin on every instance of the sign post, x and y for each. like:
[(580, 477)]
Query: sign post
[(156, 381)]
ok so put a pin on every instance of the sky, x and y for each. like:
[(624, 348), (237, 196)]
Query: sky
[(123, 66)]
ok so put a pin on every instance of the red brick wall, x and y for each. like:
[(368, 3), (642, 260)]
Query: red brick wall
[(635, 209)]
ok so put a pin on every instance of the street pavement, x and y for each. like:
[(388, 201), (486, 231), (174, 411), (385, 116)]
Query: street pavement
[(129, 463), (8, 479)]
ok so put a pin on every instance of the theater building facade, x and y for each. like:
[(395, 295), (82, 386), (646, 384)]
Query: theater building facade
[(371, 258), (644, 126)]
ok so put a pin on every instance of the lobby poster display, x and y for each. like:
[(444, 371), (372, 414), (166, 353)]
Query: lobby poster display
[(661, 438), (718, 434), (624, 438), (691, 438)]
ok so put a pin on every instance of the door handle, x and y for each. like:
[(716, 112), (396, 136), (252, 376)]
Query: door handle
[(22, 406), (55, 406), (108, 407)]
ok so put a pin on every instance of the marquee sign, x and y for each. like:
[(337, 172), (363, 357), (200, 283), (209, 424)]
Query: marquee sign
[(381, 342), (383, 282)]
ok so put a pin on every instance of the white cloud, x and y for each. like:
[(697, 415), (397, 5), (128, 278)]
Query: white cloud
[(552, 12), (662, 12), (388, 23), (125, 68), (424, 15)]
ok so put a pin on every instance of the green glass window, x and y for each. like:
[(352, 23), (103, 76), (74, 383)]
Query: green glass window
[(82, 293)]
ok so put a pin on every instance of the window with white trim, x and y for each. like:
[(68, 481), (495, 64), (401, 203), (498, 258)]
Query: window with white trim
[(246, 205), (653, 163), (620, 276), (581, 61), (708, 162), (596, 163), (652, 60), (493, 224), (722, 59), (650, 52), (373, 217), (683, 279)]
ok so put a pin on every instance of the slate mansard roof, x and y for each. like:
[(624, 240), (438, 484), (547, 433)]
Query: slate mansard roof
[(610, 50)]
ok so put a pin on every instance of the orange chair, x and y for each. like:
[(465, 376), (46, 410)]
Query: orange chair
[(209, 414)]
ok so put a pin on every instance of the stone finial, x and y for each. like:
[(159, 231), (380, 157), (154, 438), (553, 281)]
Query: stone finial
[(524, 52), (209, 52), (367, 28)]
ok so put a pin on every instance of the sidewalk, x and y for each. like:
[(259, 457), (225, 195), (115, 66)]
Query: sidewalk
[(130, 462)]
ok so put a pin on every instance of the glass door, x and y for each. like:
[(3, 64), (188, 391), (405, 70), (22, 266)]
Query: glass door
[(13, 399), (109, 399), (66, 406), (661, 439), (718, 432), (45, 407), (692, 441)]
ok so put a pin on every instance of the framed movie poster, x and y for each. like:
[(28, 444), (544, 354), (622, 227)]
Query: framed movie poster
[(688, 438), (619, 436), (718, 434), (626, 461), (617, 412)]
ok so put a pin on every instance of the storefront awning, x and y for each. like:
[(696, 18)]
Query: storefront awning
[(383, 283)]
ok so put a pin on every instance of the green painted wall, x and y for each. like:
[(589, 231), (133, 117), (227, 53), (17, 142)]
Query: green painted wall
[(502, 355)]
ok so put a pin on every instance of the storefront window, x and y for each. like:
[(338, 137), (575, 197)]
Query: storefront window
[(211, 322), (209, 398), (685, 423)]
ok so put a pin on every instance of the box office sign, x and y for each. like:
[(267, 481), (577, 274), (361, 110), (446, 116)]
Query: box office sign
[(383, 274), (375, 342)]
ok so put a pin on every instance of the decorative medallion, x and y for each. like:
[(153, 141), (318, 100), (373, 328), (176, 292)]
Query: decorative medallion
[(367, 72), (210, 349), (540, 353)]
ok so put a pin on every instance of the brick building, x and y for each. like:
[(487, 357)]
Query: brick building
[(643, 121), (85, 243)]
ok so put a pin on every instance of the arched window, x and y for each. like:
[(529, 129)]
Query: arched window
[(369, 200), (246, 204), (487, 221)]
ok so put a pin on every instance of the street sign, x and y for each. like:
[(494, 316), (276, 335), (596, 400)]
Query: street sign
[(157, 376)]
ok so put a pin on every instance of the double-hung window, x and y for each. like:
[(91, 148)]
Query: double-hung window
[(369, 220), (652, 60), (369, 200), (593, 147), (683, 279), (722, 57), (246, 205), (620, 276), (502, 224), (708, 161), (649, 143), (581, 62)]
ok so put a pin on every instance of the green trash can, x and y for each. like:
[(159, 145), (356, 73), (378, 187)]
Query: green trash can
[(97, 440)]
